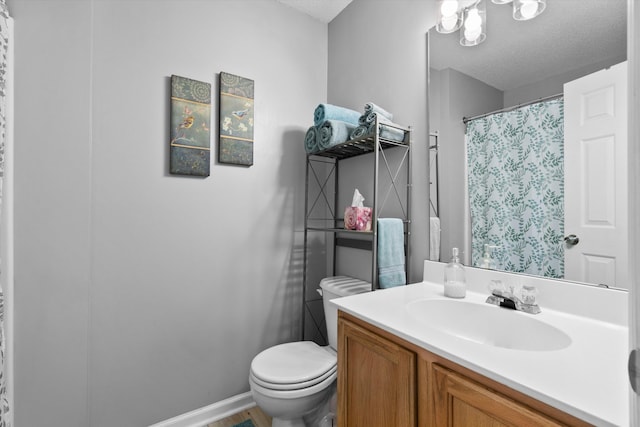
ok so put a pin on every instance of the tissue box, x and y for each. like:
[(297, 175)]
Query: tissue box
[(356, 218)]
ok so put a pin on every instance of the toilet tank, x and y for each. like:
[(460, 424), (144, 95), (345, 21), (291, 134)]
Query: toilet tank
[(337, 287)]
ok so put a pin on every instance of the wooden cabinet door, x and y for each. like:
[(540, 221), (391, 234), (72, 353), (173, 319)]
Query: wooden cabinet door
[(460, 402), (376, 380)]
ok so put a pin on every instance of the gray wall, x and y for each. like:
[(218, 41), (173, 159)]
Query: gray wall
[(553, 85), (140, 296), (378, 53)]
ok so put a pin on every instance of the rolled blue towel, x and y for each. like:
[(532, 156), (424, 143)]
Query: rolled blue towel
[(324, 112), (370, 107), (370, 118), (391, 133), (311, 140), (360, 131), (334, 132)]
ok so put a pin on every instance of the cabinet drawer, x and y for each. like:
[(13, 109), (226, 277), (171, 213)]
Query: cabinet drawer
[(460, 402)]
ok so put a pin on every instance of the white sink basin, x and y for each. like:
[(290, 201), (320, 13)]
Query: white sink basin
[(488, 324)]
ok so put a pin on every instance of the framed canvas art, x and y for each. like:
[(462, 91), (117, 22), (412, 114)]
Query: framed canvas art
[(236, 120), (190, 149)]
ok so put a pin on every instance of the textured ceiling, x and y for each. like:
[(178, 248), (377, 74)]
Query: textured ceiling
[(322, 10), (569, 34)]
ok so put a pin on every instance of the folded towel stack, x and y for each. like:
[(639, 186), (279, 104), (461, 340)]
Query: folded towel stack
[(332, 125)]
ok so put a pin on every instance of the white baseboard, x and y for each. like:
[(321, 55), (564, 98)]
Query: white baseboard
[(208, 414)]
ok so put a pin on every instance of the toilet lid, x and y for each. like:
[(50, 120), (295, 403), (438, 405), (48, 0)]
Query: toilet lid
[(293, 363), (329, 375)]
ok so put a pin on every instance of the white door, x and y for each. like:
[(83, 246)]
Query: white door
[(596, 189), (633, 43)]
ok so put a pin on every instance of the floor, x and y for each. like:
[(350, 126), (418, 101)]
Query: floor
[(259, 418)]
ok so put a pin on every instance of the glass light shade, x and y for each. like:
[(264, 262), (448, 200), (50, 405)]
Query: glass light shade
[(501, 1), (473, 31), (449, 17), (528, 9)]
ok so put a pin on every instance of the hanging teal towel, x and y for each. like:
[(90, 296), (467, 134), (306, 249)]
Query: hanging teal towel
[(391, 270)]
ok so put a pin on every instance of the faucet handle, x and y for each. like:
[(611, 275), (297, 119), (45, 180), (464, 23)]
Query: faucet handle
[(529, 294), (496, 287)]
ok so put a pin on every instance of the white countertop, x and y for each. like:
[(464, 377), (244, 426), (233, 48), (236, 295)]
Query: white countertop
[(588, 379)]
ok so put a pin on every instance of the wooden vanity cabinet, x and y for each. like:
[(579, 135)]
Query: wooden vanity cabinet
[(377, 379), (386, 381), (459, 402)]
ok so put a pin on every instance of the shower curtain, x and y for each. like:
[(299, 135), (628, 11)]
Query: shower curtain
[(5, 414), (516, 188)]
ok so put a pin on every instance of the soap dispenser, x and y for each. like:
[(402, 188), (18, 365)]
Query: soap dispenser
[(455, 285), (487, 262)]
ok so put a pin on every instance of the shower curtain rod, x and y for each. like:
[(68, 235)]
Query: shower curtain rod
[(465, 120)]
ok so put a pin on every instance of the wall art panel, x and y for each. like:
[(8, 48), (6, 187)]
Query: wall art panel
[(190, 150), (236, 120)]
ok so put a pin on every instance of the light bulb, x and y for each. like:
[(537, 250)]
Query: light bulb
[(473, 21), (472, 34), (449, 22), (449, 8), (529, 9)]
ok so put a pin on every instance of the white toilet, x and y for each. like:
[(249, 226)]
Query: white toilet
[(290, 381)]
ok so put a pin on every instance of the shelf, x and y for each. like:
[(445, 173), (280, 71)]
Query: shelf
[(340, 230), (359, 146), (344, 230), (391, 195)]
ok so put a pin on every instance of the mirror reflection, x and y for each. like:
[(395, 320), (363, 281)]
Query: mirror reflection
[(528, 137)]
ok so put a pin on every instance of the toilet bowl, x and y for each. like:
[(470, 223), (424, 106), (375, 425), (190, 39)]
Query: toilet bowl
[(293, 380)]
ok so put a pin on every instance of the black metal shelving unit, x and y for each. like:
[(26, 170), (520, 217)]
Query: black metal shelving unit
[(323, 170)]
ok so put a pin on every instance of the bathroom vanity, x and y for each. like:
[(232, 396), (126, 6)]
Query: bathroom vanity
[(409, 356)]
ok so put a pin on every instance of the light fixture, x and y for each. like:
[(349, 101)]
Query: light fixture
[(473, 30), (470, 17), (450, 17)]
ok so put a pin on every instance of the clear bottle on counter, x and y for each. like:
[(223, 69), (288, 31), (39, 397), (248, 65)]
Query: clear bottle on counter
[(455, 285)]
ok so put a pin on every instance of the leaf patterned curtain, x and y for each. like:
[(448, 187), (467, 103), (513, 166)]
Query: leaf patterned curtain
[(5, 414), (516, 188)]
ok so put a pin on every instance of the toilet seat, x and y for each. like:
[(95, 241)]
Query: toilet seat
[(294, 386), (293, 394), (293, 366)]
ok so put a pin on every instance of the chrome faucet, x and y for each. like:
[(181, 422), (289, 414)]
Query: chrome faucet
[(508, 298)]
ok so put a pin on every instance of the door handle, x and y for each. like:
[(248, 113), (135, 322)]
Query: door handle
[(634, 370), (572, 240)]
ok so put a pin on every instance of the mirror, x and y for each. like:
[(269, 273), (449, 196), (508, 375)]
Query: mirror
[(518, 63)]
